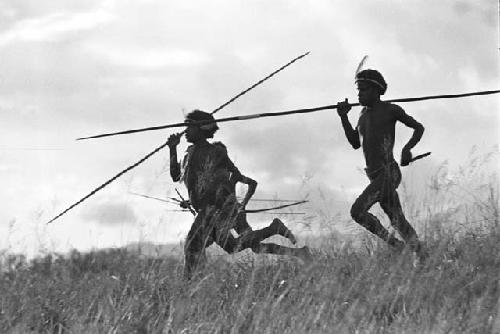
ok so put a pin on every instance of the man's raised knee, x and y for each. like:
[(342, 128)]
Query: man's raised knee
[(357, 212)]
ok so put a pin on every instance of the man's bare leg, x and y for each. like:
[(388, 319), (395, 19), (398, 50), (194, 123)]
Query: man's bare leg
[(277, 227), (198, 239), (281, 229), (391, 205), (360, 214), (270, 248), (249, 238), (372, 224)]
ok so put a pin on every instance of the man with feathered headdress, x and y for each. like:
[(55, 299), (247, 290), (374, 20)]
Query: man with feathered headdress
[(376, 128)]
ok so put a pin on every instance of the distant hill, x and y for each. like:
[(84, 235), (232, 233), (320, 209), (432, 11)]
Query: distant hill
[(155, 250)]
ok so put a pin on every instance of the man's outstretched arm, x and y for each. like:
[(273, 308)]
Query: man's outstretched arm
[(352, 135)]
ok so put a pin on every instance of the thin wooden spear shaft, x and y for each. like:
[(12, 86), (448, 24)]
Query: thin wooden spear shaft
[(274, 208), (185, 202), (174, 201), (242, 92), (110, 180), (159, 148), (264, 212), (288, 112), (245, 211), (259, 82)]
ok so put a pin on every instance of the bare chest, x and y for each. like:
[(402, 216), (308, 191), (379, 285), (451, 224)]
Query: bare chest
[(376, 124)]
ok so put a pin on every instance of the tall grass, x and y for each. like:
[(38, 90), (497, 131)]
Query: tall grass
[(345, 289)]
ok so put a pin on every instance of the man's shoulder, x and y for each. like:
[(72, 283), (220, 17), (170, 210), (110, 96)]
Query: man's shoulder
[(189, 149), (394, 107), (363, 112), (219, 147), (392, 110)]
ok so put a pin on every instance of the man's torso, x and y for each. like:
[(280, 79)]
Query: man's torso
[(377, 129), (206, 173)]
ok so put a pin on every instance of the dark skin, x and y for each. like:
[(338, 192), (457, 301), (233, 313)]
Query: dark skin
[(252, 186), (375, 133), (203, 231), (193, 135), (369, 96)]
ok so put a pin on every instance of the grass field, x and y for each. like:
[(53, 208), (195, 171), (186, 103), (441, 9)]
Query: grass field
[(346, 290), (361, 287)]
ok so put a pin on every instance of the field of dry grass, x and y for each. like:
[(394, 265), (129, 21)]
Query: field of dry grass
[(348, 288)]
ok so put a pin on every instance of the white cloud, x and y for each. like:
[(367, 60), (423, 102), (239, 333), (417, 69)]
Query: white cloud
[(54, 26), (110, 213), (155, 58), (147, 58)]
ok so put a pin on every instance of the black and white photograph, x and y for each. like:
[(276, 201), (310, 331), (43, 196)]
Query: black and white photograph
[(230, 166)]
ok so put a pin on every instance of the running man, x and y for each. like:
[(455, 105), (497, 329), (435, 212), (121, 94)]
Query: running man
[(376, 128), (210, 178)]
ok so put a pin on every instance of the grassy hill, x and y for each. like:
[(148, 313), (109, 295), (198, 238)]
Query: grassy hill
[(345, 290), (350, 287)]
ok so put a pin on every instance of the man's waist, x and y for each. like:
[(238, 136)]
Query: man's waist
[(375, 168), (213, 197)]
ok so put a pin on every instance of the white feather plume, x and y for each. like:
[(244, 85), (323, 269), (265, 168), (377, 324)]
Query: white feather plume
[(360, 66)]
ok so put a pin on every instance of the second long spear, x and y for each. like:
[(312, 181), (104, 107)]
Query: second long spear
[(159, 148)]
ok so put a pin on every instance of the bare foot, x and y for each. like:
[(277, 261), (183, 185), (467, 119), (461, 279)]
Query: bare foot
[(396, 244), (305, 254), (280, 228), (421, 255)]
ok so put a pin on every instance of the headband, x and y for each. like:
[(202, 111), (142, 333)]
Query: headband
[(208, 126), (373, 81)]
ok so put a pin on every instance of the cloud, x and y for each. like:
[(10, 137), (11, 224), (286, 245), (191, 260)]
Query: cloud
[(63, 76), (148, 58), (110, 212), (54, 26)]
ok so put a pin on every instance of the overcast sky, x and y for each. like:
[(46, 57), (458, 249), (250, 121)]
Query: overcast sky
[(75, 68)]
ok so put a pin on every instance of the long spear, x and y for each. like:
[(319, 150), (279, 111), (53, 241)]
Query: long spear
[(176, 201), (244, 211), (267, 212), (156, 150), (288, 112), (172, 200), (273, 208)]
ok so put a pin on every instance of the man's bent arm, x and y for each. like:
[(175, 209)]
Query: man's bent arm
[(351, 134), (418, 129), (175, 169), (251, 183), (252, 186)]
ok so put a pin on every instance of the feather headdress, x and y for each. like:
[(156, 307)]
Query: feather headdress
[(360, 66)]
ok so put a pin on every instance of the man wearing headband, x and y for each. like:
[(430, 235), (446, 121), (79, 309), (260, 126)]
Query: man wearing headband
[(210, 178), (376, 127)]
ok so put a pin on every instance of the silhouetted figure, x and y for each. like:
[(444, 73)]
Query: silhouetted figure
[(376, 127), (210, 178)]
